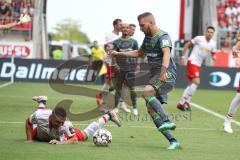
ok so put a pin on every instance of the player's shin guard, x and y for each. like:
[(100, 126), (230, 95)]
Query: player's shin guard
[(168, 135), (234, 105), (157, 121), (104, 96), (154, 103), (117, 98), (133, 97)]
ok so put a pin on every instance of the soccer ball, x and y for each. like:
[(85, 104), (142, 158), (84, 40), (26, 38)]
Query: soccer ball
[(102, 137)]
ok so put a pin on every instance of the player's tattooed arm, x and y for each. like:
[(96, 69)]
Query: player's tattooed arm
[(165, 64)]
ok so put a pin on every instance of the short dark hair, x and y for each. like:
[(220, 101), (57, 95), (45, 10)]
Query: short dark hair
[(116, 21), (132, 25), (211, 27), (59, 111), (143, 15)]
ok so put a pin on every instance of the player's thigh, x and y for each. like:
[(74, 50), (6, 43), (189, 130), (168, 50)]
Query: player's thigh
[(148, 91), (118, 82), (162, 88), (130, 79), (193, 71)]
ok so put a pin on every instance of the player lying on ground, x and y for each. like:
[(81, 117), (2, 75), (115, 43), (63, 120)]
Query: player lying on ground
[(54, 127)]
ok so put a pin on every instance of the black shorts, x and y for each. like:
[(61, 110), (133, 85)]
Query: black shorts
[(97, 65), (124, 77), (162, 88)]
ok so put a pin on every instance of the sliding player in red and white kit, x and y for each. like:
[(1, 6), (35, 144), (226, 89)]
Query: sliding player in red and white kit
[(236, 100), (53, 126), (203, 46)]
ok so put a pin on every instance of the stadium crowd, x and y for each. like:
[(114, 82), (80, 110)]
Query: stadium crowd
[(11, 10), (228, 16)]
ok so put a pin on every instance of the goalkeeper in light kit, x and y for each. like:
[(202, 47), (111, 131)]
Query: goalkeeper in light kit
[(53, 126)]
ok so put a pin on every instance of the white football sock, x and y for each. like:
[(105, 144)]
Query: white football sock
[(191, 90), (94, 126), (184, 96), (105, 87), (234, 105)]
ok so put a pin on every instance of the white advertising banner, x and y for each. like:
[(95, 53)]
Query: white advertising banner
[(18, 49)]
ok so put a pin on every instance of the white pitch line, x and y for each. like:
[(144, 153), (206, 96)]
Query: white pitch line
[(6, 84), (131, 126), (212, 112)]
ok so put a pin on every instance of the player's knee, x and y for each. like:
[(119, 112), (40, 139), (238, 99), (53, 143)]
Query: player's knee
[(197, 83), (148, 91), (150, 110)]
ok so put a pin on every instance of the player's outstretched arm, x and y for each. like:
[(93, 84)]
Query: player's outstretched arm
[(185, 48), (135, 53), (28, 128)]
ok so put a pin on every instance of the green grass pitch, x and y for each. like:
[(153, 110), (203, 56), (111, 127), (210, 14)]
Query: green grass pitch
[(199, 133)]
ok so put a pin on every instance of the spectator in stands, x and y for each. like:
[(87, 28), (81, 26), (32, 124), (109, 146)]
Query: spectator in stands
[(233, 2), (27, 9), (221, 8), (223, 34), (223, 17), (5, 10), (233, 26), (231, 9), (16, 8), (238, 7)]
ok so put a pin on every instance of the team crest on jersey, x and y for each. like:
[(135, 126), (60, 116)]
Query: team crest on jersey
[(125, 44)]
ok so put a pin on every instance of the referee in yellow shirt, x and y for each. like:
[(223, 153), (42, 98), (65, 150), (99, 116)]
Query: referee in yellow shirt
[(96, 60)]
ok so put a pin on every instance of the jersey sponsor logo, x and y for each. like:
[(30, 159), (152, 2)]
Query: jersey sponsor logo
[(204, 49), (152, 54), (125, 50)]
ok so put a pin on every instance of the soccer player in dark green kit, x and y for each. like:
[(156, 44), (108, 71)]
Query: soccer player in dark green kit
[(157, 47), (127, 66)]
